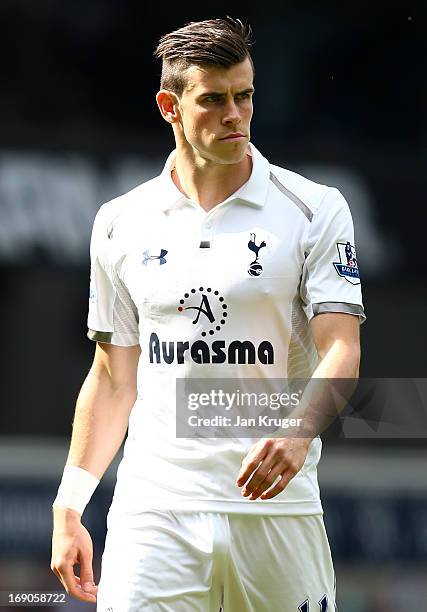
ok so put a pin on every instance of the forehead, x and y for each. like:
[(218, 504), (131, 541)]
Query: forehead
[(217, 78)]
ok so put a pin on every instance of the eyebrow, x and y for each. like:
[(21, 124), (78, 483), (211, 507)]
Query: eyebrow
[(220, 93)]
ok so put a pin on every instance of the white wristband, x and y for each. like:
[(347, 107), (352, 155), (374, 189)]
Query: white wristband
[(76, 488)]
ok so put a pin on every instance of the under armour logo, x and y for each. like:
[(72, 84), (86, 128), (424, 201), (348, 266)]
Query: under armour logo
[(148, 257)]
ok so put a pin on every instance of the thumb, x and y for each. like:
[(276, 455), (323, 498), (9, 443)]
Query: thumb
[(86, 575)]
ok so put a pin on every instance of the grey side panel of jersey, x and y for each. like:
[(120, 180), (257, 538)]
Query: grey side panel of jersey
[(125, 313), (354, 309), (295, 199), (100, 336), (302, 354)]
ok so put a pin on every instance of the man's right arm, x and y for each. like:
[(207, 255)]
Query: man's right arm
[(103, 408), (99, 427)]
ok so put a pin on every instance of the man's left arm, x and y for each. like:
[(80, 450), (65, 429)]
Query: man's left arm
[(337, 339)]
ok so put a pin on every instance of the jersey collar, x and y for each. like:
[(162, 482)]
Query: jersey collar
[(253, 192)]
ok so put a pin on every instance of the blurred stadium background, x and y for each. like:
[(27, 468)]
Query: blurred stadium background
[(341, 97)]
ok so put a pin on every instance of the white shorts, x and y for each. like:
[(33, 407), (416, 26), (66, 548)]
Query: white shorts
[(163, 561)]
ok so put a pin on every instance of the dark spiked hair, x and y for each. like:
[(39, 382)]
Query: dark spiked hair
[(213, 42)]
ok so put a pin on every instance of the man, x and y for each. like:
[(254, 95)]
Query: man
[(222, 267)]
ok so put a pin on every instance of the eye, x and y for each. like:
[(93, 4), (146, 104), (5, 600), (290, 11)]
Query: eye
[(245, 95), (211, 99)]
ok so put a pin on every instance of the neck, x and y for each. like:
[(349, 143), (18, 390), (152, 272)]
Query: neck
[(206, 182)]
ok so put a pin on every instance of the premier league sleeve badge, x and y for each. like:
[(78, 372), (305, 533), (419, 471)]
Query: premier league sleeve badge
[(346, 267)]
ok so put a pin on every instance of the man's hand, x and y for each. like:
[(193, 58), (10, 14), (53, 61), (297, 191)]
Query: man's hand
[(268, 459), (72, 544)]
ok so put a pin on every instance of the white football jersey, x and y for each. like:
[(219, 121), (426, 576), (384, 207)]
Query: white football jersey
[(227, 293)]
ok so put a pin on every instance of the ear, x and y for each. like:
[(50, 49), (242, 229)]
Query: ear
[(168, 103)]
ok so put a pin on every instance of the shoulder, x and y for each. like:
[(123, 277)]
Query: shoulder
[(134, 202), (315, 196)]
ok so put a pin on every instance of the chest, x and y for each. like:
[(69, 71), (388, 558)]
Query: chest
[(243, 259)]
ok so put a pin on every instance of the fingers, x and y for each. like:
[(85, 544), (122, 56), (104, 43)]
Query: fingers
[(94, 587), (272, 464), (285, 479), (251, 461), (256, 487), (72, 584), (267, 460)]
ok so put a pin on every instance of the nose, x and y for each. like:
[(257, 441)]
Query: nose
[(231, 114)]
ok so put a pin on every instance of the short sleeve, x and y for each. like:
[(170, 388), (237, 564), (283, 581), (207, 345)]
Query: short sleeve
[(330, 280), (113, 316)]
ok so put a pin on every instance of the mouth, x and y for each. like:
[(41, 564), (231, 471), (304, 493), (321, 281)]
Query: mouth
[(235, 136)]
